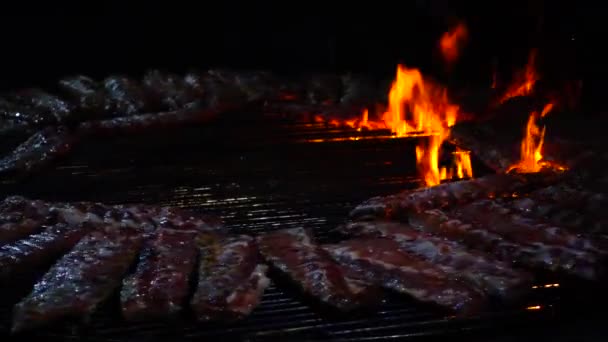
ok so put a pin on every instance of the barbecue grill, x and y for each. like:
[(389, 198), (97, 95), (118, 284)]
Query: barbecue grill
[(263, 174)]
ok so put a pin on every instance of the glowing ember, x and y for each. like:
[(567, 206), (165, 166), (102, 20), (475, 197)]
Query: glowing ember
[(451, 43), (532, 144), (523, 82)]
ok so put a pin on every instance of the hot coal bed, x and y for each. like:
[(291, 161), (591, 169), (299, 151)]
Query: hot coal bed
[(366, 237)]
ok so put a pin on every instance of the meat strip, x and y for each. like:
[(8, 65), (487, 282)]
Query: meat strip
[(231, 279), (501, 220), (448, 195), (38, 150), (21, 217), (479, 269), (38, 250), (380, 261), (85, 94), (80, 280), (192, 114), (160, 284), (293, 252), (51, 107), (171, 90), (124, 96), (579, 210), (530, 255)]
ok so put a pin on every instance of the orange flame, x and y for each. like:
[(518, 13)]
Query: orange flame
[(523, 82), (532, 144), (462, 167), (452, 42), (462, 160), (418, 107)]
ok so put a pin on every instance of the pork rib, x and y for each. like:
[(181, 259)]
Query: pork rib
[(293, 252), (25, 256), (579, 210), (231, 279), (159, 286), (380, 261), (38, 150), (501, 220), (531, 255), (80, 280), (479, 269), (447, 195), (20, 217)]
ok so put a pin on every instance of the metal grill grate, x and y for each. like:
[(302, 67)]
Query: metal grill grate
[(258, 178)]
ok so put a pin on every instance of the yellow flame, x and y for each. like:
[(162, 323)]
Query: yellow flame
[(523, 81), (532, 144)]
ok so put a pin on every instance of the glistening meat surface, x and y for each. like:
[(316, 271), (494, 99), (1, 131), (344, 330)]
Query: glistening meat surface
[(80, 280), (529, 254), (294, 253), (231, 278), (28, 255), (160, 284), (479, 269), (380, 261), (448, 195)]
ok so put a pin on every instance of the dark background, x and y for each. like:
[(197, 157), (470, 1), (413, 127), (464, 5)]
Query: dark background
[(43, 42)]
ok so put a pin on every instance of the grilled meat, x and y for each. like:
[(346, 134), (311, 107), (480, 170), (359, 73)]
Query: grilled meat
[(124, 97), (528, 254), (293, 252), (448, 195), (380, 261), (38, 150), (38, 250), (479, 269), (231, 278), (80, 280), (159, 286)]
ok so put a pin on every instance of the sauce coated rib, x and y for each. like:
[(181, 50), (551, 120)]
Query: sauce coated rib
[(479, 269), (80, 280), (30, 254), (446, 195), (293, 252), (381, 262), (160, 284), (527, 254), (231, 279)]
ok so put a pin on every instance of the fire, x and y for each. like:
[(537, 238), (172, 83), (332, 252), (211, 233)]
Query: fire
[(416, 107), (532, 144), (523, 82), (462, 160), (462, 167), (451, 43)]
